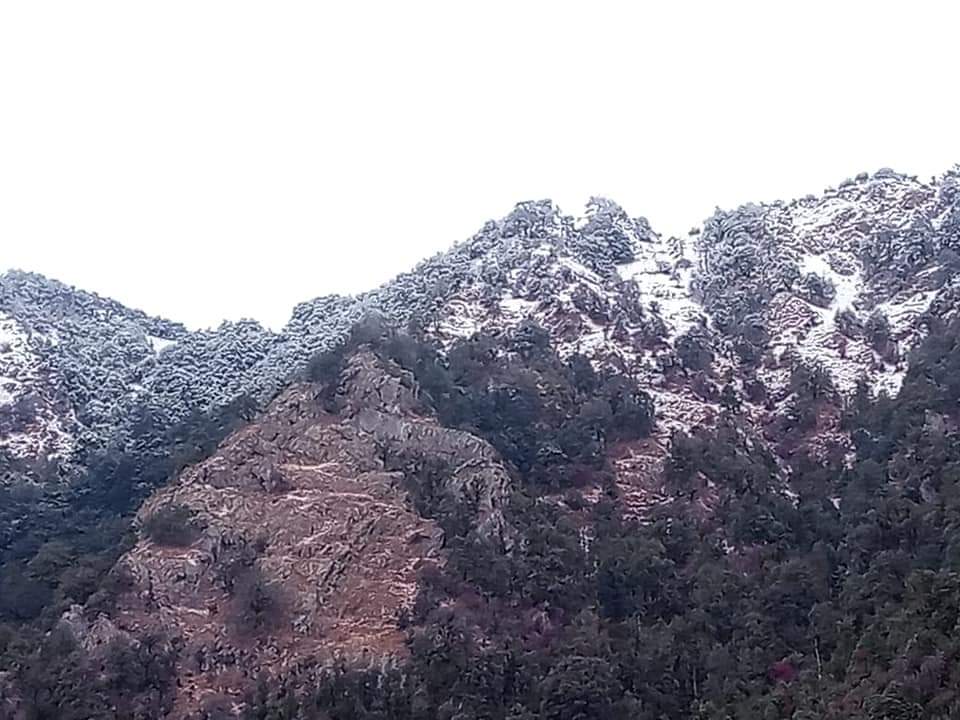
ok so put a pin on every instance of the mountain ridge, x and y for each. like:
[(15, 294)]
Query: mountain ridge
[(827, 241), (513, 448)]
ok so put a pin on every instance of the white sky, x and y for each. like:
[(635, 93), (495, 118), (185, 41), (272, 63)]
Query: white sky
[(207, 160)]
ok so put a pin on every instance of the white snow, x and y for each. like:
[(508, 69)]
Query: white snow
[(20, 372), (902, 312), (890, 382), (160, 344), (678, 410), (848, 287), (846, 359), (656, 273), (582, 272), (808, 220), (462, 319), (18, 365), (811, 330), (13, 338), (518, 307)]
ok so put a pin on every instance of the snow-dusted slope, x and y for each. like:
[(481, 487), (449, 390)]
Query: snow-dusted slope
[(32, 422), (626, 315), (844, 280), (68, 362)]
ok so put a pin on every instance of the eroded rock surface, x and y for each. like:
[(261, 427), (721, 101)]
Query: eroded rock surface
[(298, 514)]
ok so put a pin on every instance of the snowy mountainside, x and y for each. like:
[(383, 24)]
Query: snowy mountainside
[(67, 361), (842, 280), (845, 280), (605, 286), (31, 423)]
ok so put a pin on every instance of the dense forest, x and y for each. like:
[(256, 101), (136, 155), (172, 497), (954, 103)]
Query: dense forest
[(809, 589)]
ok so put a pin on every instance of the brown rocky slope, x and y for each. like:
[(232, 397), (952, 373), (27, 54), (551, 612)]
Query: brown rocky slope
[(301, 543)]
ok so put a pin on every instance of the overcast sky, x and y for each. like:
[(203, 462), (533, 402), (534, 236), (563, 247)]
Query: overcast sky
[(207, 160)]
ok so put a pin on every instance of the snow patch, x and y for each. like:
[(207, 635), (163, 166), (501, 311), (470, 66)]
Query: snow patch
[(903, 312), (582, 272), (809, 219), (847, 286), (159, 344), (658, 273), (18, 364), (518, 308), (890, 382), (20, 373)]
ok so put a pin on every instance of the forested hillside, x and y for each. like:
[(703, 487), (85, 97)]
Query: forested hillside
[(840, 599), (568, 469)]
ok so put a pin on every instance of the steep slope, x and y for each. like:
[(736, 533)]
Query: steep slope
[(77, 371), (843, 279), (296, 539)]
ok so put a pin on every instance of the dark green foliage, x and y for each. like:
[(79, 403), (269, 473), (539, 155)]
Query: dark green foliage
[(124, 679), (730, 399), (694, 351), (172, 525), (583, 688), (544, 415), (732, 599), (257, 604), (848, 323), (815, 289), (877, 332), (811, 391), (17, 417), (810, 381)]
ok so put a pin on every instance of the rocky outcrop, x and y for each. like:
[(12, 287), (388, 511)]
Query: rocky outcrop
[(382, 404), (299, 516)]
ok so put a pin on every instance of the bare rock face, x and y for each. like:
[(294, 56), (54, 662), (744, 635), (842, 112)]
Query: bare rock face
[(299, 542), (381, 407)]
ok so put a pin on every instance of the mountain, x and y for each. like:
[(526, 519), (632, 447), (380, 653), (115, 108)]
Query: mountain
[(879, 248), (544, 405)]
